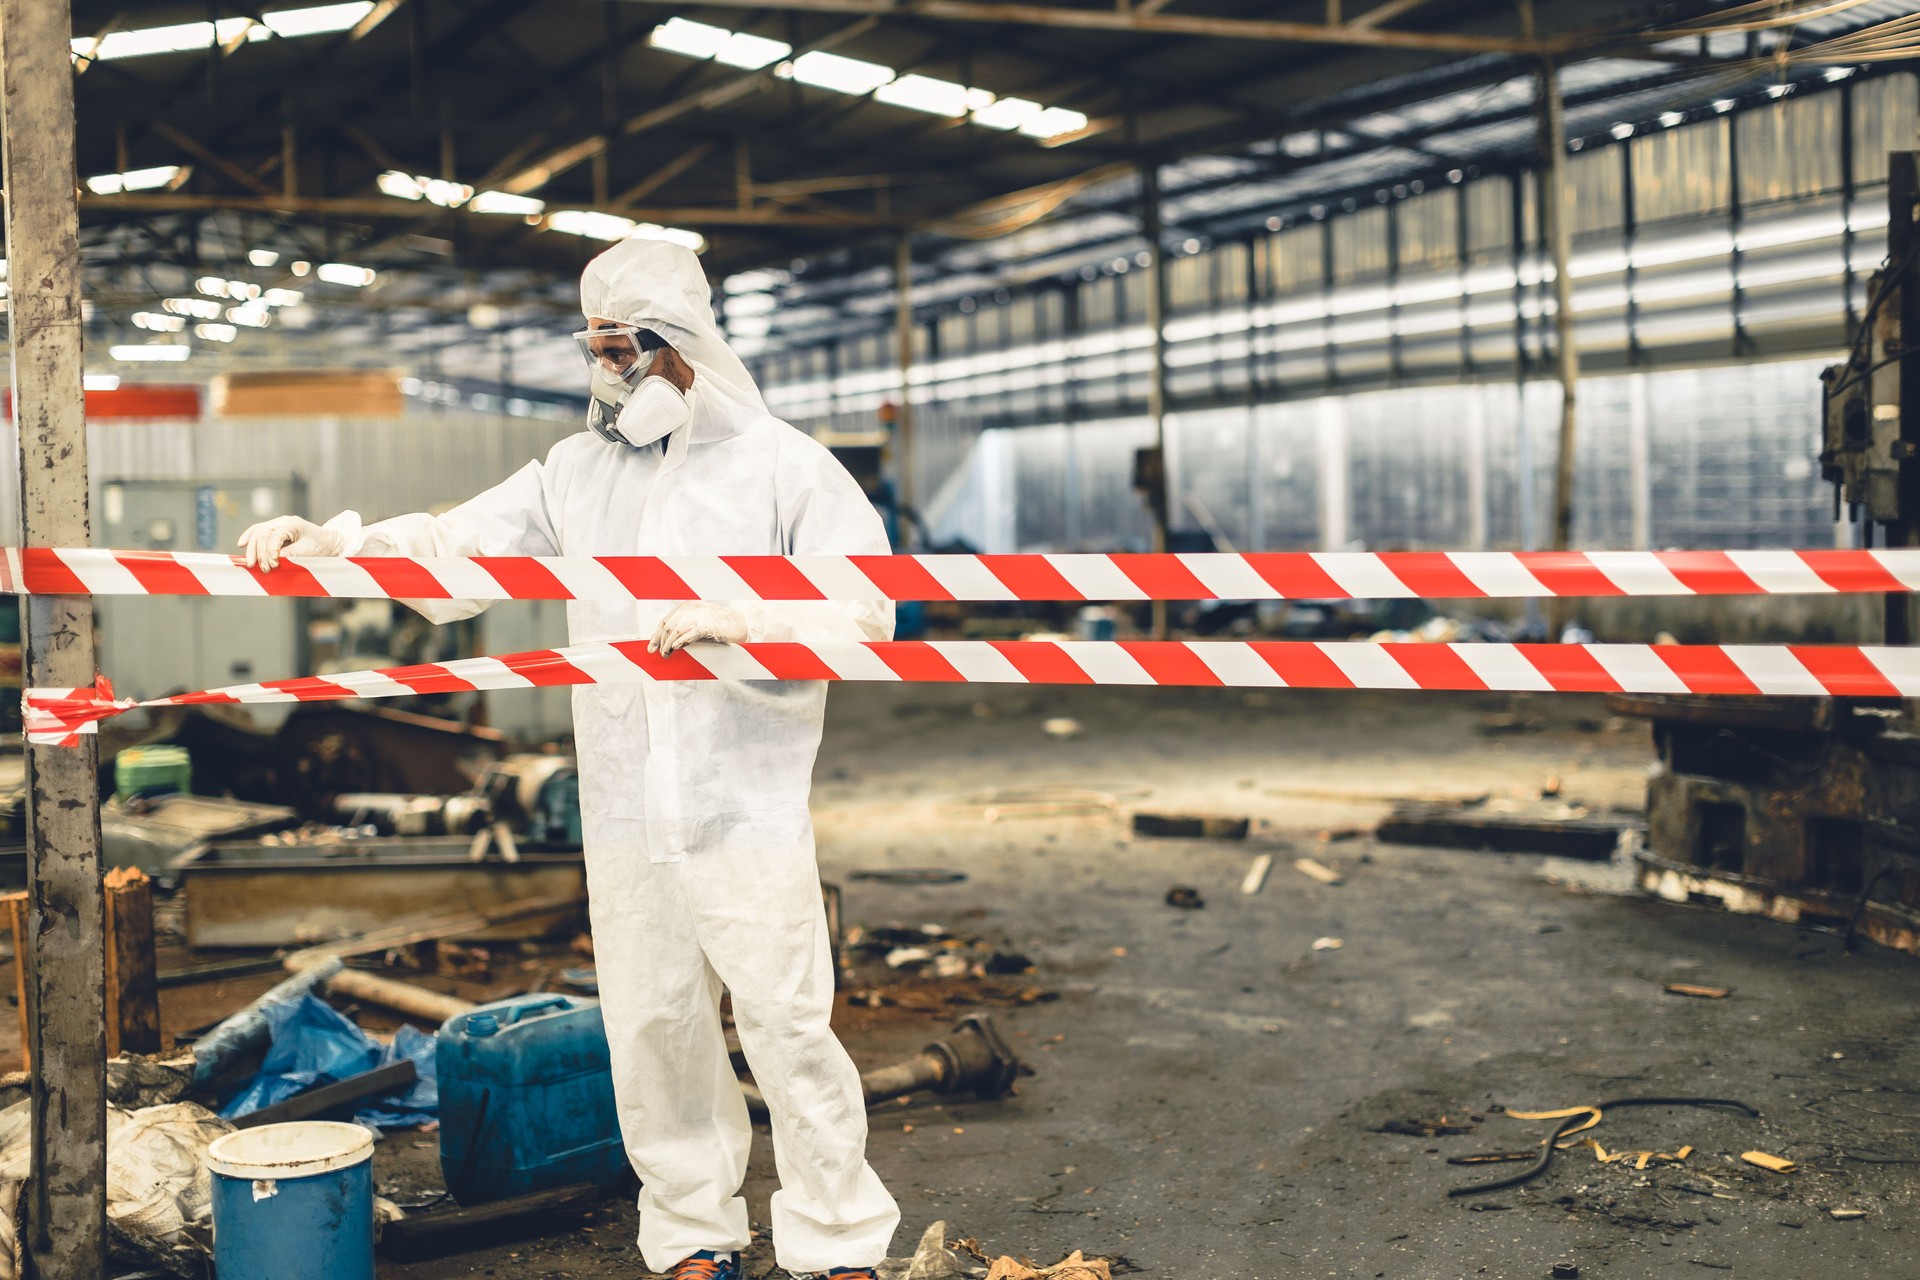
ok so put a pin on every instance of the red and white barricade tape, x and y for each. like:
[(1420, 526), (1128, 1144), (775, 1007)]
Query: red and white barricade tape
[(1279, 575), (60, 715)]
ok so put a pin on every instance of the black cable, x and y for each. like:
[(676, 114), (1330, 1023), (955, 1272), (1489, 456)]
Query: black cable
[(1539, 1166)]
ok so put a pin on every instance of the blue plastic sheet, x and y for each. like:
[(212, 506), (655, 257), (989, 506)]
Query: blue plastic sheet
[(314, 1045)]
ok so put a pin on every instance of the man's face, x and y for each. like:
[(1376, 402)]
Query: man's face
[(618, 352)]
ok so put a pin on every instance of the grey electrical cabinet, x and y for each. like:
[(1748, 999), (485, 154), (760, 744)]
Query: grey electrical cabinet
[(155, 645)]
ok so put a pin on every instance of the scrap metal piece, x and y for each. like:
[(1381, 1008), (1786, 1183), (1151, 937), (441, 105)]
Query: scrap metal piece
[(974, 1058), (247, 895)]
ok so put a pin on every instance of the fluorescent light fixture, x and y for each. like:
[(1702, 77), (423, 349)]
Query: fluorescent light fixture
[(504, 202), (448, 195), (750, 304), (345, 273), (112, 184), (1671, 118), (199, 308), (1723, 105), (672, 235), (100, 381), (282, 297), (319, 20), (212, 286), (157, 351), (158, 322), (692, 39), (756, 281), (1621, 132), (590, 223), (242, 290), (1840, 73), (216, 332), (936, 97), (398, 185), (262, 257), (734, 48), (750, 53), (300, 268), (841, 74), (1054, 122), (1008, 113), (607, 226), (254, 315), (859, 78)]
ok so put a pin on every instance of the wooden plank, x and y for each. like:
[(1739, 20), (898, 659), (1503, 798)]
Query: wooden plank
[(133, 983), (318, 1102), (1450, 827), (435, 1235)]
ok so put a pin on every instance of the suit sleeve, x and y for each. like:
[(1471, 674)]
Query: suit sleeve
[(511, 519), (828, 514)]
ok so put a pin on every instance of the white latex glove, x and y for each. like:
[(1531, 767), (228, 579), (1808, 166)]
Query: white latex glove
[(695, 620), (266, 542)]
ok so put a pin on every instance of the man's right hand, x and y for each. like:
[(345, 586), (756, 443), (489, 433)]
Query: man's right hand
[(266, 542)]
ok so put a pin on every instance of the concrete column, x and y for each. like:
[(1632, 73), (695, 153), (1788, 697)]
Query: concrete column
[(66, 912), (1157, 374)]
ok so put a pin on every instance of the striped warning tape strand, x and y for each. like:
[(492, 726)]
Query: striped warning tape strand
[(1277, 575), (60, 715)]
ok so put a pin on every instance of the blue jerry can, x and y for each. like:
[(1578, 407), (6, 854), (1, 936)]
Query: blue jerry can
[(526, 1099)]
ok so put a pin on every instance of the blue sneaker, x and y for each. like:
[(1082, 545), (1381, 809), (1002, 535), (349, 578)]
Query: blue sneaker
[(706, 1265)]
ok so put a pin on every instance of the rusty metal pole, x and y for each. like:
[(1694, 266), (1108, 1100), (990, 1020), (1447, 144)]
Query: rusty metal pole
[(66, 953), (903, 419), (1151, 229), (1559, 238)]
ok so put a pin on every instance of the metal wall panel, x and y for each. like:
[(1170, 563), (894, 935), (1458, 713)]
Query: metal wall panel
[(1597, 189), (1681, 172), (1789, 151), (1428, 231), (1886, 117), (1360, 245)]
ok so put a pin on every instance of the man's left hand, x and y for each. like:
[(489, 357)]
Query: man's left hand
[(696, 620)]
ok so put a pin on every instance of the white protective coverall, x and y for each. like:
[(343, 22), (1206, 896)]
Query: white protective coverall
[(693, 795)]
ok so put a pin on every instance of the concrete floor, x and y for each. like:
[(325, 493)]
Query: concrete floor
[(1209, 1088)]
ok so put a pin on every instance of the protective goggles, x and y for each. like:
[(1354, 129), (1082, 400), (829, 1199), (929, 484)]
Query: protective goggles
[(619, 349)]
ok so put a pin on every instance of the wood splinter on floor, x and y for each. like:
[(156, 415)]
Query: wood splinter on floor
[(1698, 992), (1256, 877), (1320, 871), (1775, 1164)]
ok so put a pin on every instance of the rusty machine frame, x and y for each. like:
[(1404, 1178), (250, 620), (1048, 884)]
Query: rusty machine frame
[(1808, 810)]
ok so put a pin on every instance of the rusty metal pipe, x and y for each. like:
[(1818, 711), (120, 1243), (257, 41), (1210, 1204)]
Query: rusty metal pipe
[(972, 1059)]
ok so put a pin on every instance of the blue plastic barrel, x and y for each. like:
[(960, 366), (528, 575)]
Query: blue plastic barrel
[(293, 1202), (526, 1099)]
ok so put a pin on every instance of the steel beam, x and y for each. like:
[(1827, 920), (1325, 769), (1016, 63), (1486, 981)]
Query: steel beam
[(66, 1230), (1139, 22), (387, 207)]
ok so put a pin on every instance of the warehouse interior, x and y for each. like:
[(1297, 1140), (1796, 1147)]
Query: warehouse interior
[(1440, 972)]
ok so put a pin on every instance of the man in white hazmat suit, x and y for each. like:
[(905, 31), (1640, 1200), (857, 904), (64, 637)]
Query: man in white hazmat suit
[(699, 846)]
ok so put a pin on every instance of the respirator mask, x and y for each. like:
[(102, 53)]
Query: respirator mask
[(629, 406)]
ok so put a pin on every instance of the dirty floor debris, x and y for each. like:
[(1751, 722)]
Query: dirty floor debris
[(1213, 1097)]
